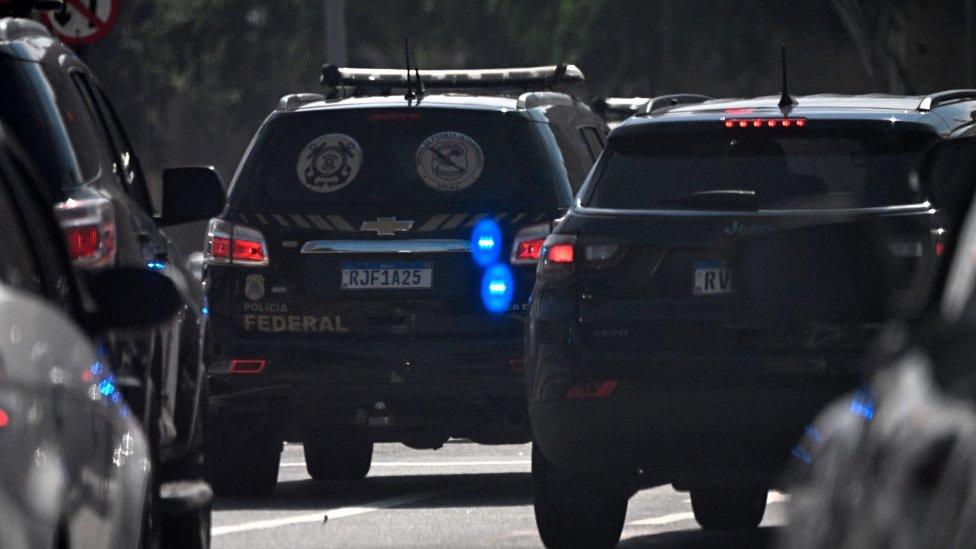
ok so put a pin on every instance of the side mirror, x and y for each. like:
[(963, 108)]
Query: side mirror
[(828, 273), (946, 175), (191, 194), (129, 297)]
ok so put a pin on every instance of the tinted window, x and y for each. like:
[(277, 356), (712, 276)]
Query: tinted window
[(785, 169), (432, 161), (28, 108), (593, 140), (19, 268), (577, 165), (78, 122)]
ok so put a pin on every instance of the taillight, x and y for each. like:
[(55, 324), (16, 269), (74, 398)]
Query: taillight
[(528, 250), (229, 243), (560, 253), (89, 231), (527, 246)]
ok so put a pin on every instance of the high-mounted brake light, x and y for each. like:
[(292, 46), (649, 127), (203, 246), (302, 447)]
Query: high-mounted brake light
[(229, 243), (89, 231), (764, 122), (560, 253), (395, 117), (591, 389)]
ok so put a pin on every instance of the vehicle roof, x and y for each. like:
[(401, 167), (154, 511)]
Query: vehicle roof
[(876, 107)]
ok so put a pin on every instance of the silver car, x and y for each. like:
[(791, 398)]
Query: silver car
[(75, 466)]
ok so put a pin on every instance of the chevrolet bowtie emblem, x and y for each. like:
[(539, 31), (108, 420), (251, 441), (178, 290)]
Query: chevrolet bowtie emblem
[(386, 226)]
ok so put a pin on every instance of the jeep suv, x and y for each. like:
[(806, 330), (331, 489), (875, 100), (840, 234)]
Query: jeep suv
[(646, 365)]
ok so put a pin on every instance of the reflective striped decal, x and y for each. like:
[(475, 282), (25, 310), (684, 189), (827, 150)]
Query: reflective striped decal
[(319, 222), (433, 223), (300, 221), (281, 220), (454, 221), (474, 220), (340, 223), (517, 218)]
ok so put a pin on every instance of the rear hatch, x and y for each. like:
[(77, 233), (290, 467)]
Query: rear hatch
[(368, 216), (663, 215)]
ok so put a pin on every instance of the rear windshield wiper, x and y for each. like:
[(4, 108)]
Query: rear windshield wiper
[(722, 199)]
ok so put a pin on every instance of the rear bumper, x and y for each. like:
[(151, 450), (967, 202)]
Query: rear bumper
[(391, 390), (691, 420)]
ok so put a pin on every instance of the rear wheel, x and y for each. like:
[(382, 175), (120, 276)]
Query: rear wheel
[(575, 510), (728, 508), (240, 458), (338, 456)]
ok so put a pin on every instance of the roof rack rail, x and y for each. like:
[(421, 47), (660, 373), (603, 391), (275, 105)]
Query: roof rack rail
[(937, 99), (295, 100), (388, 79), (673, 100)]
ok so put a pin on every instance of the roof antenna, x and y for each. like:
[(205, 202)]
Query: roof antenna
[(421, 90), (406, 51), (785, 101)]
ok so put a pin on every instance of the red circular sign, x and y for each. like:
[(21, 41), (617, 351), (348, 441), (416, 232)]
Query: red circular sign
[(82, 22)]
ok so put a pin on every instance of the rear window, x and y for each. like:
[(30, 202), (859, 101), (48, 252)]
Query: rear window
[(395, 160), (776, 169)]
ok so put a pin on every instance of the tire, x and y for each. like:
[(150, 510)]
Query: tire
[(338, 457), (572, 510), (728, 508), (187, 531), (240, 458)]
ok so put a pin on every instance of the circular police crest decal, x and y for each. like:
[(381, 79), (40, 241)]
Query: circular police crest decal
[(449, 161), (329, 162)]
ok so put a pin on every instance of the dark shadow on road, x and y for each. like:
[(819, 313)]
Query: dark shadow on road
[(700, 539), (473, 490)]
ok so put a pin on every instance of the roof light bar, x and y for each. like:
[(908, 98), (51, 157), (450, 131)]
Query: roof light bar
[(764, 122), (520, 77)]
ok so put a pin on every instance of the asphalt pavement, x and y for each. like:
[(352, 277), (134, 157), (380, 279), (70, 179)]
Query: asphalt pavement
[(463, 495)]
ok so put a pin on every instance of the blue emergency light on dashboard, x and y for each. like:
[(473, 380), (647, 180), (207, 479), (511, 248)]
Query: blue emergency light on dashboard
[(497, 288), (486, 242)]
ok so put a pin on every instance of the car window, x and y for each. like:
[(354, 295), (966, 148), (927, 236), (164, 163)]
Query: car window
[(78, 121), (28, 109), (431, 161), (810, 169), (574, 156), (593, 140), (115, 136)]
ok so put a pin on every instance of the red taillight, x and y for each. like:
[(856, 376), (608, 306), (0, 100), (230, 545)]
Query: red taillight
[(4, 418), (767, 122), (247, 366), (246, 250), (83, 242), (560, 253), (591, 389), (229, 243), (89, 231), (529, 250), (939, 249)]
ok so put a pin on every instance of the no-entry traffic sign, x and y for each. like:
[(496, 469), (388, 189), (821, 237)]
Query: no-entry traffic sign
[(82, 22)]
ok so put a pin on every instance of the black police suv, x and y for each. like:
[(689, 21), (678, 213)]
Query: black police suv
[(645, 365), (54, 105), (368, 281)]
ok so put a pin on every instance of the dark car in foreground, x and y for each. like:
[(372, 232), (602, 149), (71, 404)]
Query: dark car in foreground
[(53, 104), (893, 463), (369, 279), (645, 364)]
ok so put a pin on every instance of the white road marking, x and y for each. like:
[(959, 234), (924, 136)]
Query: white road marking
[(430, 463), (339, 512), (773, 497)]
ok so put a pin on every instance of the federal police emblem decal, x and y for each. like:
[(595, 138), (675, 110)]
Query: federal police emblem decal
[(329, 162)]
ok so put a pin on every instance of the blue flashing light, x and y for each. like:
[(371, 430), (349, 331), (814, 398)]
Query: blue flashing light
[(156, 265), (486, 242), (96, 368), (802, 455), (205, 311), (107, 386), (497, 288), (863, 404)]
